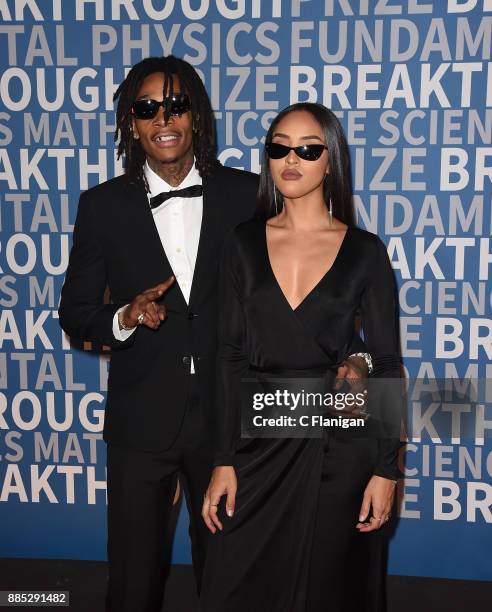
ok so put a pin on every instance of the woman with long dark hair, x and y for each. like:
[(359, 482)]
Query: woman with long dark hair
[(289, 513)]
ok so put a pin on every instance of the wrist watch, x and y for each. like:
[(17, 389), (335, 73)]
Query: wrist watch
[(367, 358)]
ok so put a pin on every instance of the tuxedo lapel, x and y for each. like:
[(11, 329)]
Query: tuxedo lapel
[(149, 249), (209, 240)]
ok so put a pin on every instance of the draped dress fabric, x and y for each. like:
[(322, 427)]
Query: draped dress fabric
[(262, 560)]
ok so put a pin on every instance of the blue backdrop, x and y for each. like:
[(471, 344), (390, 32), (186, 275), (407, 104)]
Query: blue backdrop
[(411, 81)]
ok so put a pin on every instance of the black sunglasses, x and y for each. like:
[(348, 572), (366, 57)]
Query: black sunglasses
[(177, 104), (309, 152)]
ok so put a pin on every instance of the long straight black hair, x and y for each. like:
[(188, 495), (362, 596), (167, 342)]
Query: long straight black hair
[(337, 185)]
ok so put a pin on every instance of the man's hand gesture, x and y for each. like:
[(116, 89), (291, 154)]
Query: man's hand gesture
[(143, 309)]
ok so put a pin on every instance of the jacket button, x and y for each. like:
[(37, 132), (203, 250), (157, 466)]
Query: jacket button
[(192, 315), (186, 359)]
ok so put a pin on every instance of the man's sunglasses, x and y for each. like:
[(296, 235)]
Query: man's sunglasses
[(309, 152), (178, 104)]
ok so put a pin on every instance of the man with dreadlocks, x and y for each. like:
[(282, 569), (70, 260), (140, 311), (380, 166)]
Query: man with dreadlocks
[(153, 236)]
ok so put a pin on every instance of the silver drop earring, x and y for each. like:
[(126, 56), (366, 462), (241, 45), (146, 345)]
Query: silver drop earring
[(275, 198), (330, 212)]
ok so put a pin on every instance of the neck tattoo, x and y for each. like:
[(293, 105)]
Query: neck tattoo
[(173, 172)]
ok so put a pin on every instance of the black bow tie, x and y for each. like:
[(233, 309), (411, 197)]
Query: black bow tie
[(188, 192)]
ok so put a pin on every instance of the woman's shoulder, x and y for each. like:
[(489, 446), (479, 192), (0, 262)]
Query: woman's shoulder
[(370, 249), (248, 228), (243, 236), (246, 232), (366, 239)]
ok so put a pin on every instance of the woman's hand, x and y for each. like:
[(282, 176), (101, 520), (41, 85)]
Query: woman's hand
[(223, 482), (378, 495), (354, 371)]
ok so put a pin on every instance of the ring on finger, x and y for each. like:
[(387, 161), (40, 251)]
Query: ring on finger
[(141, 317)]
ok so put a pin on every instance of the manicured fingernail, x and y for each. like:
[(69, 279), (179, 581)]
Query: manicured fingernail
[(230, 513)]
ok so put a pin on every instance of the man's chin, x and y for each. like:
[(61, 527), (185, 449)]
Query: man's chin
[(169, 158)]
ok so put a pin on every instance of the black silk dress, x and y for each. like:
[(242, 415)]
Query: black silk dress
[(292, 545)]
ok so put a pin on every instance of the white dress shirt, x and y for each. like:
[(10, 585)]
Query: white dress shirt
[(178, 222)]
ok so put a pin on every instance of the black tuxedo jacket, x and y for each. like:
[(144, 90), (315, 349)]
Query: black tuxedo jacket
[(116, 245)]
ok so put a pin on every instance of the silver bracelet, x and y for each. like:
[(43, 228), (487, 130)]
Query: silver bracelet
[(367, 358)]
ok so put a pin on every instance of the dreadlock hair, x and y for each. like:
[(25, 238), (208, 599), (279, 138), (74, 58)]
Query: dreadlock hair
[(204, 143)]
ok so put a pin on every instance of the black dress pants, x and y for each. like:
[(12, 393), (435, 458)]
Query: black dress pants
[(141, 487)]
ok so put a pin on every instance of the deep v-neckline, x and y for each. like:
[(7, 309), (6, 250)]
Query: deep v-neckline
[(317, 284)]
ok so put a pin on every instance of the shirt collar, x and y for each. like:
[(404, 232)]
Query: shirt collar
[(158, 185)]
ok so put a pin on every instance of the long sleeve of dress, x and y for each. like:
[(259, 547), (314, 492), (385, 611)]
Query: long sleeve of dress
[(379, 324), (82, 311), (232, 361)]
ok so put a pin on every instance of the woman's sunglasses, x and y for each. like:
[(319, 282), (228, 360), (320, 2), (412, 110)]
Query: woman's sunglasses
[(178, 104), (309, 152)]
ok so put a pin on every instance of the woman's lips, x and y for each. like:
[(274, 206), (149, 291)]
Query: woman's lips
[(291, 175)]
